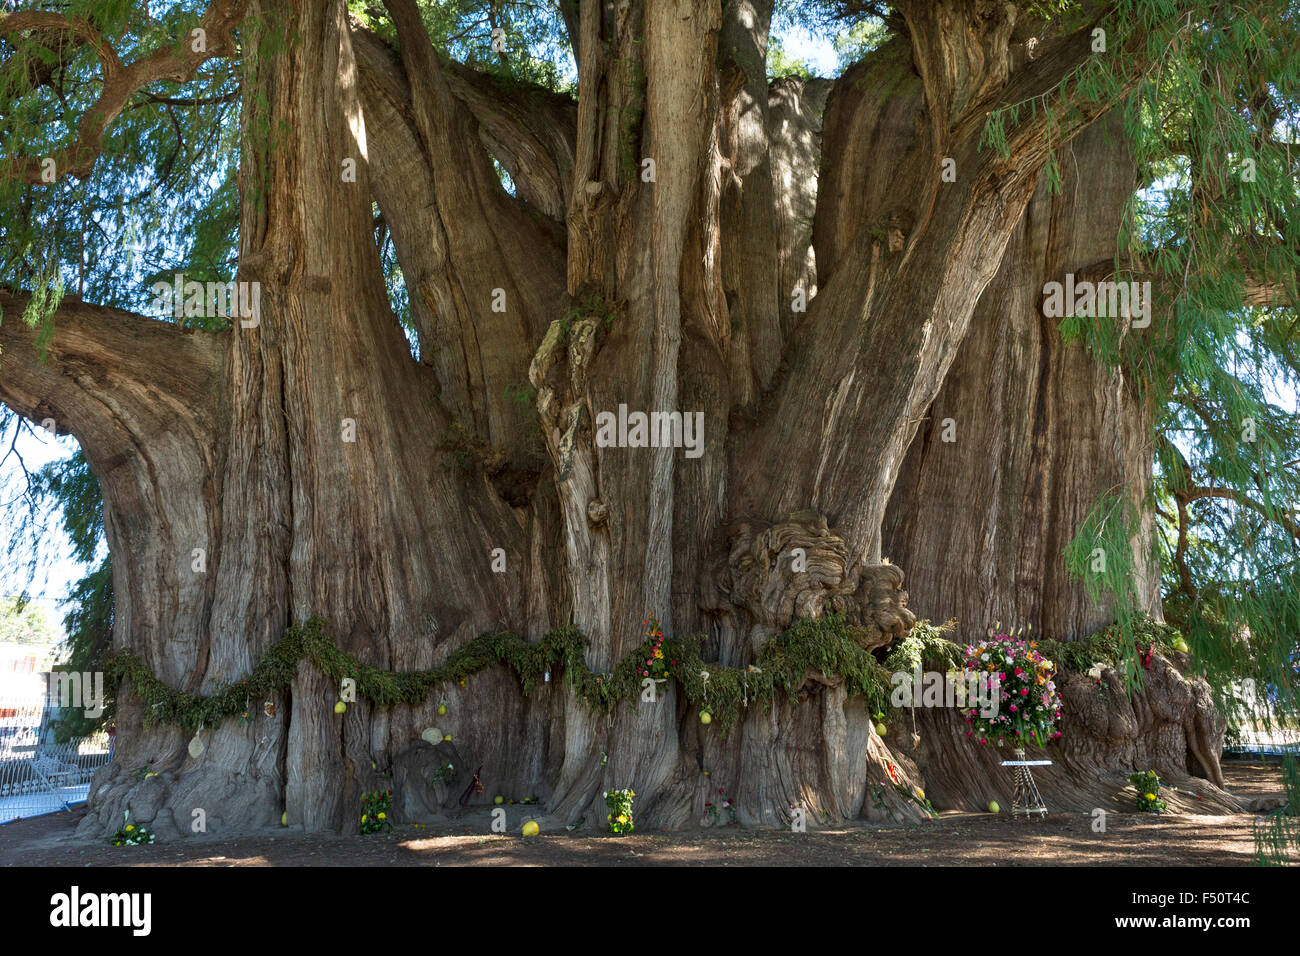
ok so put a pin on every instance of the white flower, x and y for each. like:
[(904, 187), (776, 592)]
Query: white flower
[(984, 656), (1095, 671)]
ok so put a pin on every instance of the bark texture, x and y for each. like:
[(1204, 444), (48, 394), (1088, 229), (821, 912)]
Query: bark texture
[(665, 233), (1025, 437)]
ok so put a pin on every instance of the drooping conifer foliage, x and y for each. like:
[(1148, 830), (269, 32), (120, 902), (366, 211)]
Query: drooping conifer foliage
[(474, 226)]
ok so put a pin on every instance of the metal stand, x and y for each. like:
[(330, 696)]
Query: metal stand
[(1026, 798)]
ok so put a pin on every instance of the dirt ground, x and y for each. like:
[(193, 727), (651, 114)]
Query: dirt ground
[(954, 839)]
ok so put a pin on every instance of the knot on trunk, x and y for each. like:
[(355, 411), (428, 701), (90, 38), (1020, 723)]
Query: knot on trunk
[(1162, 724), (559, 373), (775, 574)]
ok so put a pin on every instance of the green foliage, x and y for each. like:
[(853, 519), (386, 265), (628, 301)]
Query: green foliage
[(591, 307), (130, 834), (70, 490), (855, 43), (22, 622), (1278, 834), (619, 804), (376, 811), (925, 647), (825, 646), (780, 63), (630, 119), (1113, 646), (1148, 791), (537, 49), (161, 195), (1213, 129), (523, 395), (854, 29)]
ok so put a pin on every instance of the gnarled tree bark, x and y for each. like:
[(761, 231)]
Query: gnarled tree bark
[(651, 258)]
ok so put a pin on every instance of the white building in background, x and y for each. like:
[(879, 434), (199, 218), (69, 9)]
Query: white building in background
[(24, 669), (24, 687), (1258, 725)]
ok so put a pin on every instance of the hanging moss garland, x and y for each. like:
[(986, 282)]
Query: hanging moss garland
[(279, 665), (1107, 646), (826, 646)]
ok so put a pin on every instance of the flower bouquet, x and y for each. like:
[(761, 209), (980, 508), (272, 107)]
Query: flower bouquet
[(1148, 788), (712, 812), (656, 665), (130, 834), (374, 812), (1028, 704), (619, 803)]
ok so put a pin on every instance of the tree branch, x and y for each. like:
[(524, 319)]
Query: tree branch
[(1231, 494), (530, 130), (462, 242), (114, 379), (121, 82)]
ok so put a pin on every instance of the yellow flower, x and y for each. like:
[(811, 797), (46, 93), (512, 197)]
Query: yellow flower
[(130, 827), (622, 818), (658, 652), (383, 816), (1151, 796), (363, 818)]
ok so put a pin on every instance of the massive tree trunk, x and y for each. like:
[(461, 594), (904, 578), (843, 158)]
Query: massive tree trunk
[(1027, 435), (652, 257)]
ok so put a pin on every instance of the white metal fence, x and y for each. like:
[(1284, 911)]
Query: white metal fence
[(38, 775), (1264, 743)]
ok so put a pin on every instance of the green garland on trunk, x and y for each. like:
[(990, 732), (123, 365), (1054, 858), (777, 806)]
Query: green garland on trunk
[(826, 646)]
